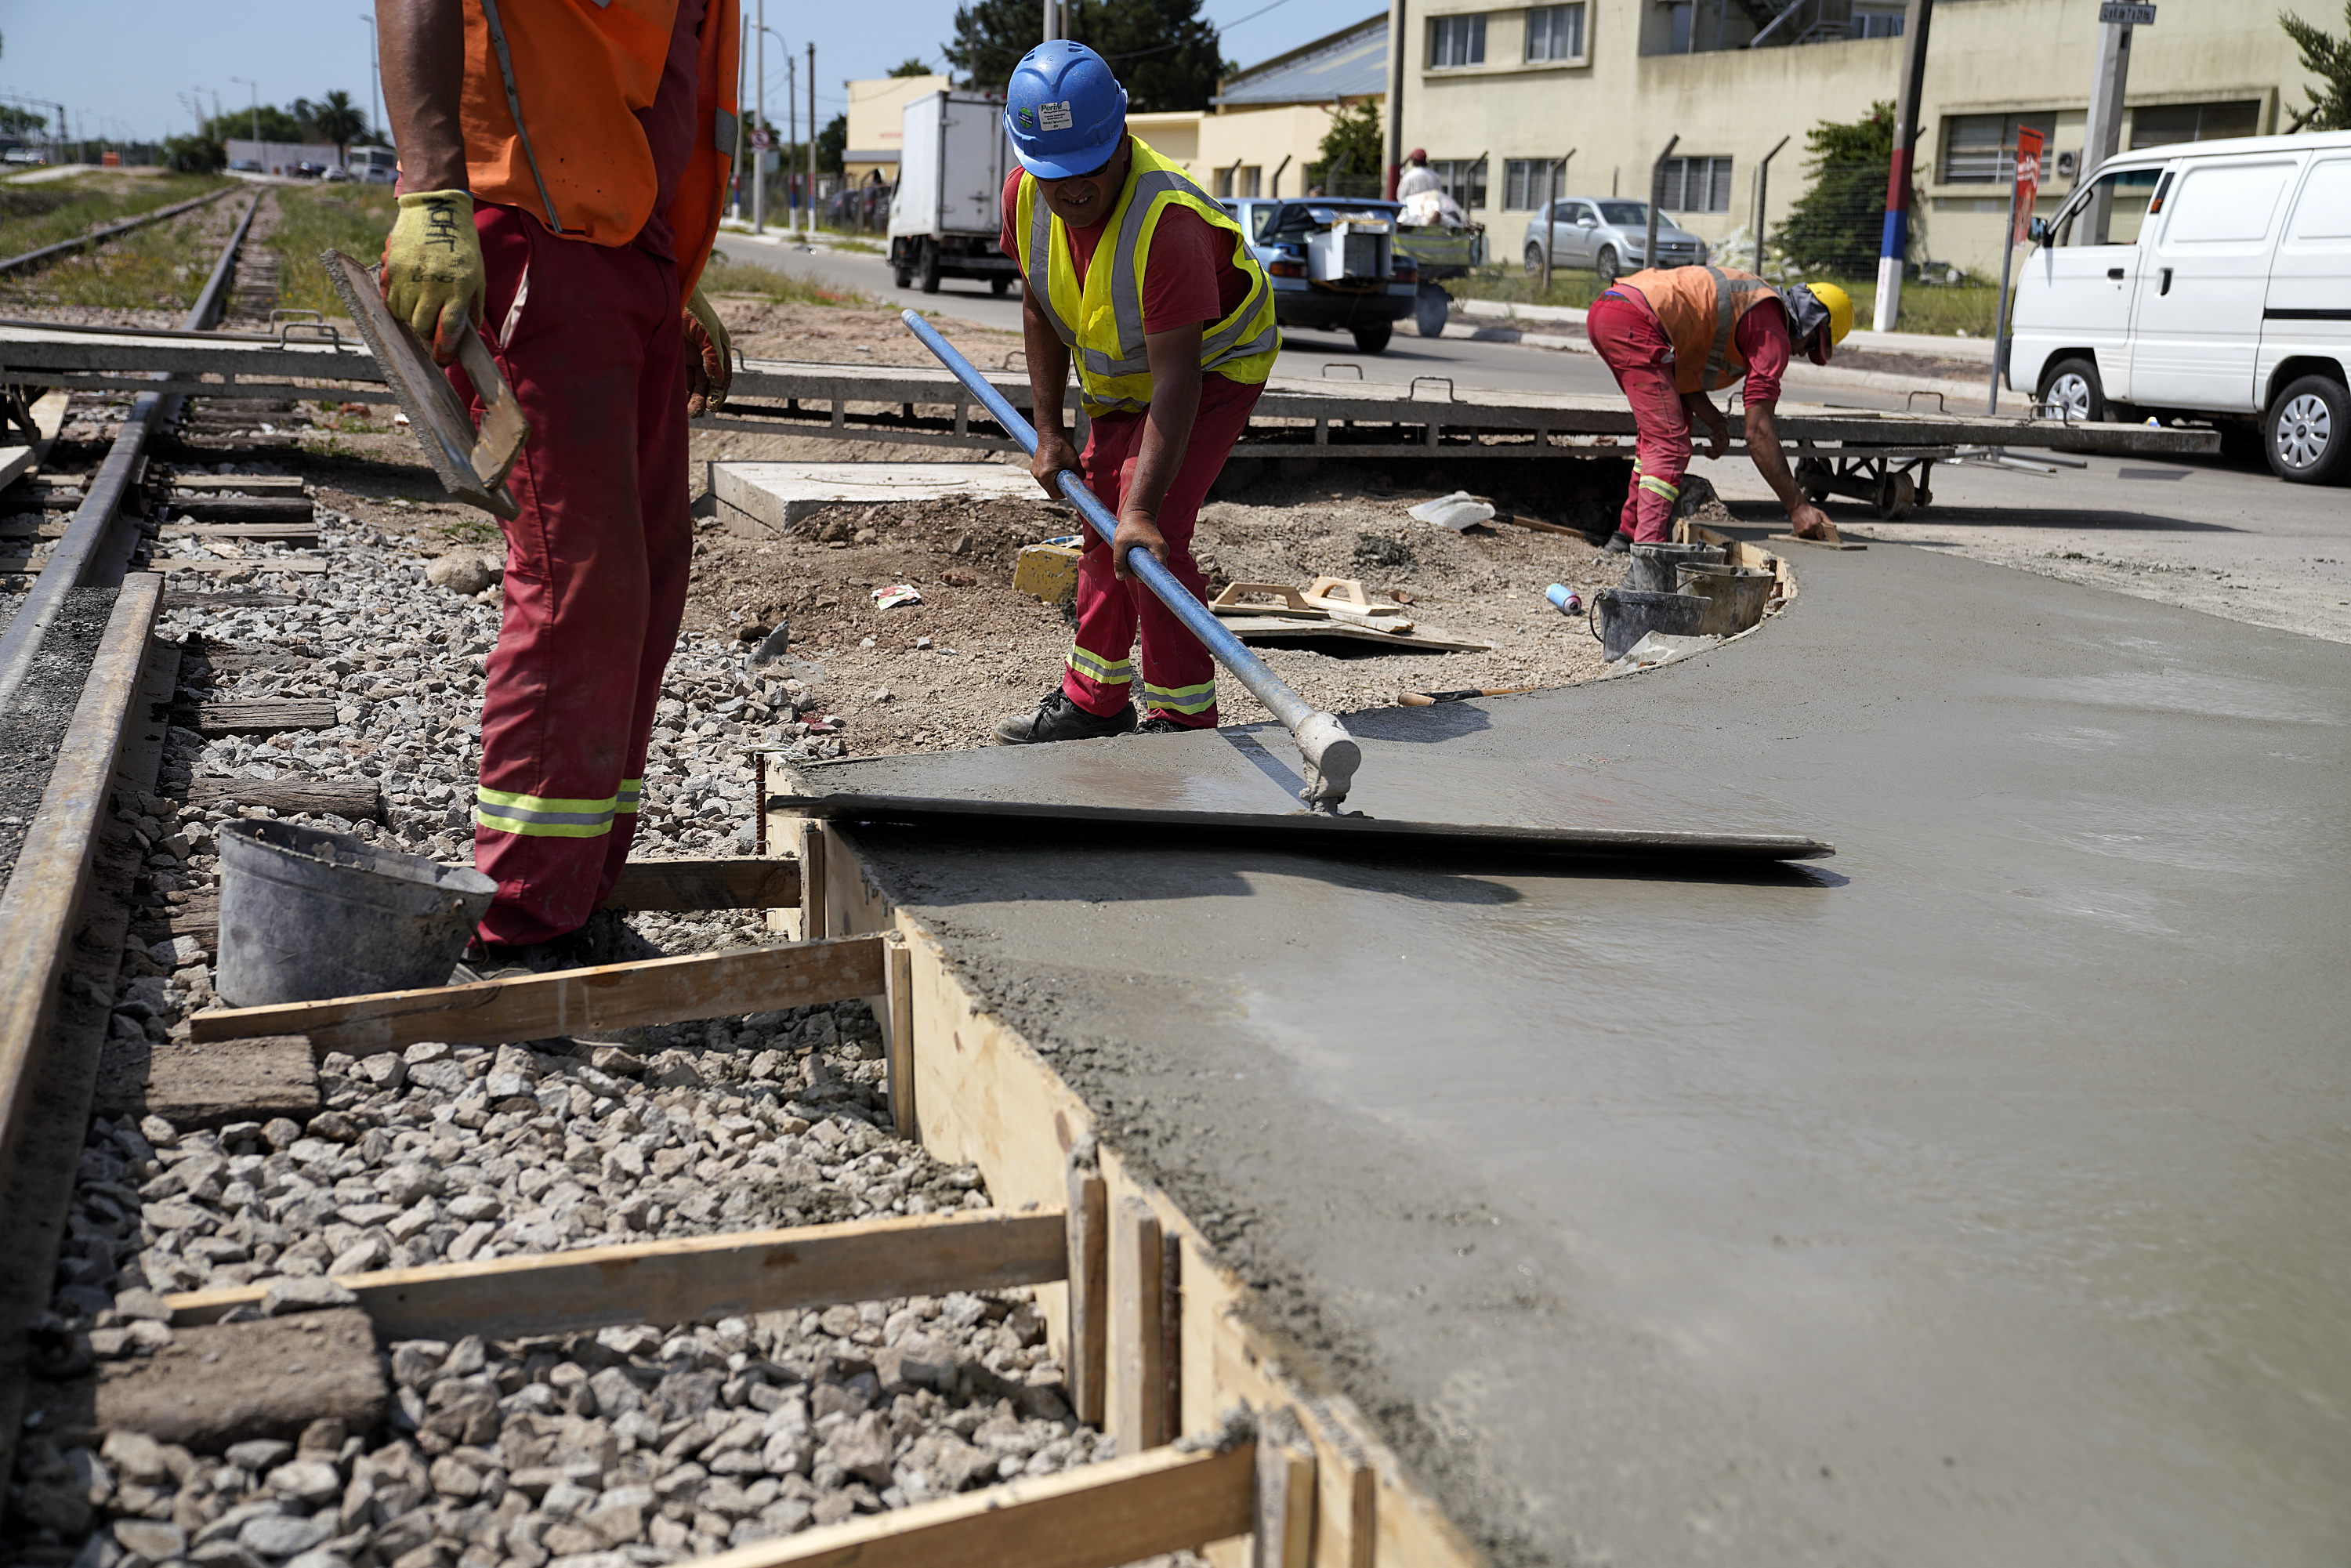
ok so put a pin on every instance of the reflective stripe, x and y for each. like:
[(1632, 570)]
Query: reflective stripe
[(1095, 667), (1181, 699), (1659, 488), (633, 790), (543, 816), (1727, 293)]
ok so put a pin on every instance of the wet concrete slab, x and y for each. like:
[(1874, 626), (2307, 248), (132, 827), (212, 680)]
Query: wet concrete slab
[(1977, 1195)]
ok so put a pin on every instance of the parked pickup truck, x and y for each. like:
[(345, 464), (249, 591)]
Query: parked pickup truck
[(1338, 264)]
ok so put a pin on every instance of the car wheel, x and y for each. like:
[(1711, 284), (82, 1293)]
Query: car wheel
[(1534, 261), (1606, 266), (1374, 337), (1430, 310), (2071, 391), (999, 286), (930, 267), (2307, 435)]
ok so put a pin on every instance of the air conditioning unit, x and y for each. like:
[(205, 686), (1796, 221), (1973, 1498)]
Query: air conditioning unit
[(2068, 163)]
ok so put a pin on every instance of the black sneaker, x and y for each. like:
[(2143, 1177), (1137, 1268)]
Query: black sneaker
[(1059, 718), (1162, 725), (1618, 542)]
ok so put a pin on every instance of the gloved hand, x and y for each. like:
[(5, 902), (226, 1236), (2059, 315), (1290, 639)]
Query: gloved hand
[(709, 357), (432, 268)]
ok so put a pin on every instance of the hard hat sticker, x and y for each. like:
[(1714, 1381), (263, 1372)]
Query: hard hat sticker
[(1055, 116)]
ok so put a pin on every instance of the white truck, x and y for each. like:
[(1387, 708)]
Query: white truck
[(947, 208)]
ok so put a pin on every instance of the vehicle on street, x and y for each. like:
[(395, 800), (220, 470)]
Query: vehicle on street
[(375, 165), (306, 169), (23, 155), (1608, 235), (245, 165), (947, 210), (2206, 281), (1335, 263)]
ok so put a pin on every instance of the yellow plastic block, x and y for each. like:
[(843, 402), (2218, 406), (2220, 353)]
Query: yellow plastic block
[(1047, 571)]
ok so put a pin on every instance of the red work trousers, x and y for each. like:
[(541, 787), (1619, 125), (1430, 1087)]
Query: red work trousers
[(1631, 342), (1179, 678), (596, 565)]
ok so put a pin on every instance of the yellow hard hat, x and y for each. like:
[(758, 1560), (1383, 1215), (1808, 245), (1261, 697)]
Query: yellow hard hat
[(1840, 307)]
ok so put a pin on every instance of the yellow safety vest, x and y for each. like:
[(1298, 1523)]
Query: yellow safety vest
[(1113, 366)]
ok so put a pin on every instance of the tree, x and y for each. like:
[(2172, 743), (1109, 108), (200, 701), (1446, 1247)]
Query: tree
[(1351, 154), (910, 67), (1835, 227), (2329, 58), (18, 121), (195, 155), (277, 125), (339, 120), (832, 141), (1165, 52)]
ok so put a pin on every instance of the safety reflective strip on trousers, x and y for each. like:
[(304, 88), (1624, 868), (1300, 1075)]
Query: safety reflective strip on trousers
[(1242, 345), (1727, 293), (546, 815), (1095, 667), (1180, 699)]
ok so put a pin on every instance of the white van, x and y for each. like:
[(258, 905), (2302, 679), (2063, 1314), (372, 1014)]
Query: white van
[(2209, 281)]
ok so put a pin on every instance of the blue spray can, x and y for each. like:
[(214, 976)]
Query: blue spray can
[(1565, 599)]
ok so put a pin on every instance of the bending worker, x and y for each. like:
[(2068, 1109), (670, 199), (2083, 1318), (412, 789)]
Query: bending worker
[(1127, 263), (562, 168), (1674, 335)]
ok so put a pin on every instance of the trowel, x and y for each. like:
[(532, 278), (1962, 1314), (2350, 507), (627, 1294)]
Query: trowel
[(473, 463)]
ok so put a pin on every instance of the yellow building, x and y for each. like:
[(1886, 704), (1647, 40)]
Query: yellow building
[(1496, 93), (876, 108), (1270, 120)]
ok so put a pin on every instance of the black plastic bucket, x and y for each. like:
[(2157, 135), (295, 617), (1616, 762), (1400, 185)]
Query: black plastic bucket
[(1651, 567), (1626, 615), (305, 914), (1736, 595)]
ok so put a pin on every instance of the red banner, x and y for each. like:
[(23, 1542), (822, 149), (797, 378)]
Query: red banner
[(2028, 180)]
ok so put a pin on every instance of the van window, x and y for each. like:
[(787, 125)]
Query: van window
[(2324, 210), (1261, 220), (2112, 213), (2227, 202)]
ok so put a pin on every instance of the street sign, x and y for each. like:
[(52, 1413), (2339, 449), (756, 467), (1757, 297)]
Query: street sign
[(762, 137), (2129, 13), (2028, 181)]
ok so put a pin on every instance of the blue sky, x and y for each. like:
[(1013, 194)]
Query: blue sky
[(122, 66)]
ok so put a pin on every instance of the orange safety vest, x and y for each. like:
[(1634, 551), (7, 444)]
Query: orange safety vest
[(551, 92), (1699, 307)]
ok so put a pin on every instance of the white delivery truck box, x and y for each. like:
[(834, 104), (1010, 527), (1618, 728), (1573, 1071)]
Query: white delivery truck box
[(947, 211)]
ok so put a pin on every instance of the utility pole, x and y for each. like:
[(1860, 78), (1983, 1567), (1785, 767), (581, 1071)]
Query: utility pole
[(375, 77), (791, 135), (759, 137), (2102, 134), (1396, 24), (1762, 189), (811, 142), (742, 131), (1052, 20), (1894, 245)]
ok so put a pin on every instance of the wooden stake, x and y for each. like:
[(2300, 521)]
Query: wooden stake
[(1171, 1334), (534, 1006), (814, 922), (1138, 1404), (899, 971), (1097, 1516), (1089, 1269), (1283, 1535), (693, 1278)]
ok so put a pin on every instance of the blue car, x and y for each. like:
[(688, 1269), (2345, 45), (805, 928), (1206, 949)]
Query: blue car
[(1334, 263)]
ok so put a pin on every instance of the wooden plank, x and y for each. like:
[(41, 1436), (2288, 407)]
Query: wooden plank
[(1084, 1365), (1537, 525), (691, 884), (535, 1007), (48, 417), (689, 1279), (237, 484), (293, 563), (900, 1008), (230, 511), (1098, 1516), (1171, 1332), (192, 1085), (1138, 1391), (352, 799), (273, 717), (1282, 1536)]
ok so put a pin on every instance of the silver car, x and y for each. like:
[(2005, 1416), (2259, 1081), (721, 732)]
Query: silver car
[(1605, 235)]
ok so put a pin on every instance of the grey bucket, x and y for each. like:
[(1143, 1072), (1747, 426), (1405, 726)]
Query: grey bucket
[(305, 914), (1626, 615), (1651, 567), (1735, 594)]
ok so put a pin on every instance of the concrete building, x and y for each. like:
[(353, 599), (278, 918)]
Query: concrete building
[(876, 109), (1270, 120), (1495, 92)]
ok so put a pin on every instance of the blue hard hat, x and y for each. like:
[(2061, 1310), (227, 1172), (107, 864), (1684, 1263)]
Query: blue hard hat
[(1064, 110)]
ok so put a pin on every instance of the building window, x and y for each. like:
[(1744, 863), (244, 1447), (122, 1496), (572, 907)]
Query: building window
[(1463, 180), (1554, 33), (1457, 41), (1980, 149), (1694, 185), (2159, 125), (1526, 181), (1876, 22)]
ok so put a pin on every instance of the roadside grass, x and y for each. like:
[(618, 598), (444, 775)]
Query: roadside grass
[(727, 276), (33, 215), (1947, 309), (352, 218), (1577, 289)]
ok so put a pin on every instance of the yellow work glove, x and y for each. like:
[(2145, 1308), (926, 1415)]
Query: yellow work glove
[(432, 268), (709, 357)]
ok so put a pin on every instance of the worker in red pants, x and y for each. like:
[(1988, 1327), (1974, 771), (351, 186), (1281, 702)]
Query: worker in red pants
[(1672, 336), (562, 172), (1137, 272)]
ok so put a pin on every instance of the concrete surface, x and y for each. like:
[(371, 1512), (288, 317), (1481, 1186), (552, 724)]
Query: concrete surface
[(1978, 1197), (780, 494)]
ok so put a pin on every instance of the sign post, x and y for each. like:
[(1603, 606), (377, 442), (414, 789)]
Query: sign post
[(2022, 195)]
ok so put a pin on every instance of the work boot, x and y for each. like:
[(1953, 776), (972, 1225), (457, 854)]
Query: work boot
[(1059, 718), (1162, 725), (514, 960)]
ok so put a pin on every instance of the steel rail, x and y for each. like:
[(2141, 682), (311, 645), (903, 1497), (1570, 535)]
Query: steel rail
[(82, 556), (95, 236)]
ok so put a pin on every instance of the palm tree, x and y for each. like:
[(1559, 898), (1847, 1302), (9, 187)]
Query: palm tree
[(339, 120)]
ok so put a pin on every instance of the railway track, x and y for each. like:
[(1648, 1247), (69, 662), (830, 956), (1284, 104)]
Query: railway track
[(771, 1246)]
